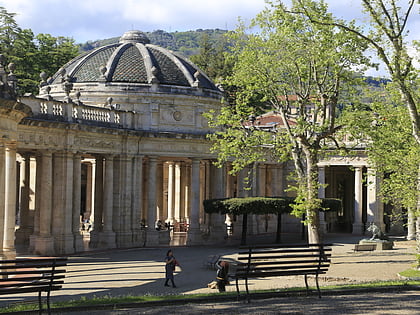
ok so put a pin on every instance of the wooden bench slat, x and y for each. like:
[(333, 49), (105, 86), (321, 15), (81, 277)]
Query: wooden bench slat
[(269, 261), (30, 289), (25, 275), (30, 271), (31, 265)]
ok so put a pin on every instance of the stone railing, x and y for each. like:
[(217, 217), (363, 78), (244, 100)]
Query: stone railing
[(72, 112)]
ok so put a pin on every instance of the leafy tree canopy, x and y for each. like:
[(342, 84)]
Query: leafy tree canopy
[(32, 54)]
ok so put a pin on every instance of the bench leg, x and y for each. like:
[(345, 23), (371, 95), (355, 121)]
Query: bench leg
[(247, 290), (40, 302), (237, 288), (48, 302), (317, 286), (306, 284)]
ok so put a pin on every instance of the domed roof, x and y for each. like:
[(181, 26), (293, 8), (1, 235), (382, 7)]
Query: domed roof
[(133, 60)]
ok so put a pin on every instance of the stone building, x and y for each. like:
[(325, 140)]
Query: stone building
[(115, 143)]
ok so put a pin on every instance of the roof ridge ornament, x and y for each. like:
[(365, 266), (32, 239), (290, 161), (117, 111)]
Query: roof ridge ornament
[(135, 36)]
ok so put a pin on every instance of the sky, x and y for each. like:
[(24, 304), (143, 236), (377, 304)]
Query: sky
[(85, 20)]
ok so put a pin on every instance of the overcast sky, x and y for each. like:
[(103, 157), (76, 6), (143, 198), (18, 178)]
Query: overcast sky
[(98, 19)]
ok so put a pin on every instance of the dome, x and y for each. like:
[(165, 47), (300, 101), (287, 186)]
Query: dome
[(133, 60)]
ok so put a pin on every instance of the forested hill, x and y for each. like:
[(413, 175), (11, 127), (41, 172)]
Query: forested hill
[(187, 43)]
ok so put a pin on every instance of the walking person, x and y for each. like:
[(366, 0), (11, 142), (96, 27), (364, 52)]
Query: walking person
[(171, 262)]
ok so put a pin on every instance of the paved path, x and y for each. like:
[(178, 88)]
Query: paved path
[(140, 271)]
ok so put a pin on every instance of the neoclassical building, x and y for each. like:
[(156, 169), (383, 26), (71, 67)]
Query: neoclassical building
[(114, 147)]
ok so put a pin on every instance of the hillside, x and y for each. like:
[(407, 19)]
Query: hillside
[(186, 43)]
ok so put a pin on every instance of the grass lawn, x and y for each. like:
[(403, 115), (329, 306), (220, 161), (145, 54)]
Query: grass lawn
[(112, 301)]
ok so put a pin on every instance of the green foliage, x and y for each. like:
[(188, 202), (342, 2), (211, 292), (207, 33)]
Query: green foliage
[(213, 57), (300, 71), (392, 149), (262, 205), (32, 54)]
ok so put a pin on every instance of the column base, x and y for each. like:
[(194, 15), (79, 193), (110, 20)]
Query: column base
[(152, 237), (7, 254), (358, 229), (44, 245), (217, 235), (124, 239), (139, 238), (95, 238), (78, 242), (107, 240), (23, 235), (64, 244), (194, 237), (164, 237)]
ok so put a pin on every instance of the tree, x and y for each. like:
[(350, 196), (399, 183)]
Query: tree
[(9, 30), (391, 148), (212, 57), (387, 33), (32, 54), (302, 70)]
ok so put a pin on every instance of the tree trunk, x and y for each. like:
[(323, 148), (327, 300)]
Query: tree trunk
[(417, 213), (278, 234), (312, 210), (411, 224), (244, 229)]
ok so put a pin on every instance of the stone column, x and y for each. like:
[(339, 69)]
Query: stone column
[(374, 204), (62, 203), (126, 177), (177, 192), (38, 186), (77, 199), (108, 236), (194, 235), (137, 200), (8, 200), (44, 244), (171, 218), (152, 237), (218, 187), (159, 191), (3, 255), (26, 218), (98, 204), (358, 201), (186, 191), (321, 195)]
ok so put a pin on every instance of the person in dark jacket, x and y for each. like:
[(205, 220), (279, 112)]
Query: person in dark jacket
[(171, 262), (222, 277)]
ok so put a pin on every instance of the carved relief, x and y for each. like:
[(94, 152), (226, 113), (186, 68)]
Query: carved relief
[(177, 115)]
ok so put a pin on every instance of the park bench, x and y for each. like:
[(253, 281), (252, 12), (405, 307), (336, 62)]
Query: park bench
[(282, 260), (25, 275)]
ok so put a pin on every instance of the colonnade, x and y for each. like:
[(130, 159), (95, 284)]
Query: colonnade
[(128, 194), (367, 206)]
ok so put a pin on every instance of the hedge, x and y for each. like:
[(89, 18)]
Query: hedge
[(261, 205)]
